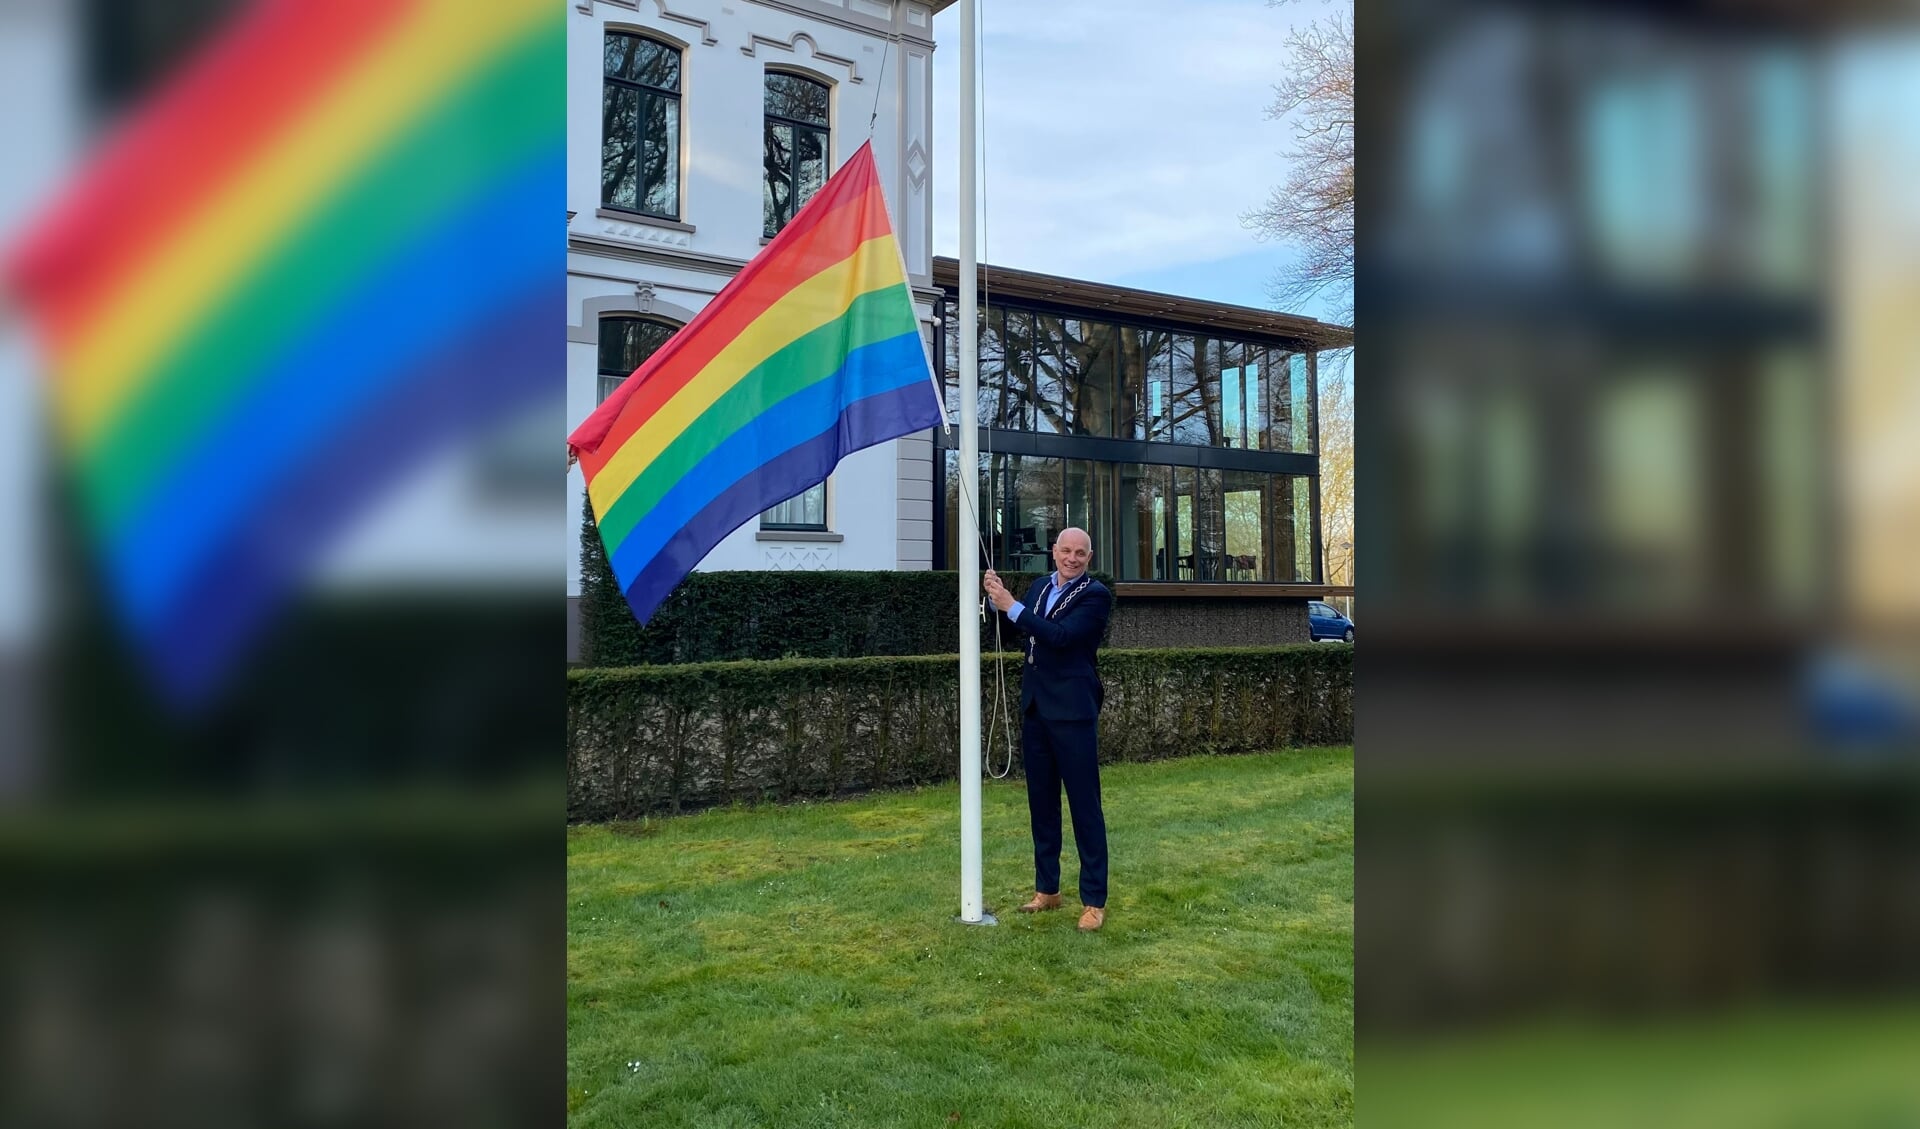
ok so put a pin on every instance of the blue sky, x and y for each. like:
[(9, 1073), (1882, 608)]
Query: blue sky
[(1122, 143)]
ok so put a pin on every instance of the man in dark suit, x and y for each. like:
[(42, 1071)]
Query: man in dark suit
[(1063, 617)]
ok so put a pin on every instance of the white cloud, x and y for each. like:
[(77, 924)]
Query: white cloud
[(1122, 137)]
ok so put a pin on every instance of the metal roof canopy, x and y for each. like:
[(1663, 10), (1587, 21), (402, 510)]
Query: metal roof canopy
[(1124, 301)]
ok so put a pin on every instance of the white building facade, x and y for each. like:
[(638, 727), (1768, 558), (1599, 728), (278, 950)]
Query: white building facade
[(694, 130)]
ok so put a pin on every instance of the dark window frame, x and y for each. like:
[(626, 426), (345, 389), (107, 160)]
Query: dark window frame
[(647, 91), (604, 373), (769, 119)]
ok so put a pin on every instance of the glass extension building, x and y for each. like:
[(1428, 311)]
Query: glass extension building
[(1179, 433)]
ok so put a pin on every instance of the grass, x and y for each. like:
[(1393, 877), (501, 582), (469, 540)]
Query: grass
[(800, 966), (1765, 1066)]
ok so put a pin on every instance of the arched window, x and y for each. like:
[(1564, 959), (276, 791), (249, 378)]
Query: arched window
[(640, 126), (798, 145), (625, 342)]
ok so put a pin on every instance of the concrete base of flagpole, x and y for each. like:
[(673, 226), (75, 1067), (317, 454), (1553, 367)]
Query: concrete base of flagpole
[(985, 919)]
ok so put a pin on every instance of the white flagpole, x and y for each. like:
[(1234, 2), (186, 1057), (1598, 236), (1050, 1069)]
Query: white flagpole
[(972, 910)]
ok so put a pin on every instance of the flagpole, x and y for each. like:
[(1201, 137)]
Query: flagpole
[(972, 910)]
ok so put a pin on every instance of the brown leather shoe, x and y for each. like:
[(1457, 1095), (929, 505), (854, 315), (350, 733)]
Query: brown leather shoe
[(1092, 918), (1040, 902)]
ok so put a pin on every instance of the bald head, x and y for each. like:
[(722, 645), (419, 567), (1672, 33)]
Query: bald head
[(1072, 552)]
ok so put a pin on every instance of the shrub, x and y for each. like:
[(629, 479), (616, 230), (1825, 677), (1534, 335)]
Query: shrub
[(667, 738), (723, 616)]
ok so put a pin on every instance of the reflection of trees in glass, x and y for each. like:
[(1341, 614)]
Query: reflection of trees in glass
[(795, 144), (1195, 413), (1092, 491), (640, 125), (956, 508), (1233, 402), (1003, 351), (950, 318), (1026, 500), (1088, 375), (1302, 531), (1246, 525), (1060, 375), (1300, 393), (1049, 397), (1208, 536), (1144, 383), (625, 343), (1334, 425), (1142, 540)]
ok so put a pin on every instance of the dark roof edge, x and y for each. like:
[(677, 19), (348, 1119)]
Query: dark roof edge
[(1123, 300)]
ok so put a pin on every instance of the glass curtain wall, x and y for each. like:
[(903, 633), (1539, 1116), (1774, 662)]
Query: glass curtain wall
[(1056, 381)]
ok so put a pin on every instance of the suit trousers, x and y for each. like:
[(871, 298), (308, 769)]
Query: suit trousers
[(1056, 753)]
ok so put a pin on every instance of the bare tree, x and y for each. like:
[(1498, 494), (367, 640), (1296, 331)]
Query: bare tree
[(1314, 208)]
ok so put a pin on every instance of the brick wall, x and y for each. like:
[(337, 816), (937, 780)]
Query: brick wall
[(1172, 621)]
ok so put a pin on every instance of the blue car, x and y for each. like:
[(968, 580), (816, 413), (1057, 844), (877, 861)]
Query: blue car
[(1326, 622)]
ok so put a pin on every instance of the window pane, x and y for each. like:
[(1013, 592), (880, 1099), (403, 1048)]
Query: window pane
[(1299, 405), (807, 509), (626, 343), (1089, 375), (1013, 366), (1091, 502), (1233, 415), (620, 53), (1034, 517), (777, 200), (1160, 387), (790, 96), (638, 59), (619, 146), (1049, 398), (1279, 408), (1195, 418), (1211, 394), (1181, 524), (950, 322), (660, 163), (812, 155), (1209, 542), (1291, 517), (999, 507), (994, 401), (1259, 419), (1131, 345), (1143, 524), (960, 508), (1246, 525), (658, 65)]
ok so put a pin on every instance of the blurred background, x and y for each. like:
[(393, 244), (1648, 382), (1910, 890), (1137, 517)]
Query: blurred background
[(1639, 470), (322, 884)]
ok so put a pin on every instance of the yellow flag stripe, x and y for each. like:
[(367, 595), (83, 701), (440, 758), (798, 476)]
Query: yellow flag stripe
[(234, 229), (874, 265)]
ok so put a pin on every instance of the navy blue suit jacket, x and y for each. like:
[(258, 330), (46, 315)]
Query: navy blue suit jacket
[(1061, 682)]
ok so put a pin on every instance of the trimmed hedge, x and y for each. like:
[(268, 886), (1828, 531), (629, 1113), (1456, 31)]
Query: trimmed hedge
[(670, 738), (724, 616)]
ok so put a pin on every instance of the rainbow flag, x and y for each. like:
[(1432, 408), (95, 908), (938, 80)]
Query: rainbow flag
[(812, 352), (327, 249)]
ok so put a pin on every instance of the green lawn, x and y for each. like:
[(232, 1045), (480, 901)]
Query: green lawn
[(800, 966), (1778, 1066)]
